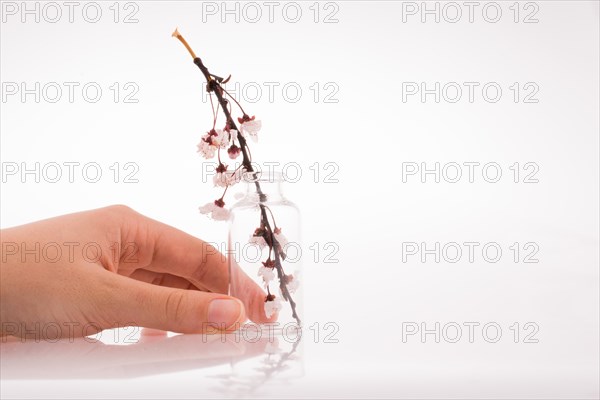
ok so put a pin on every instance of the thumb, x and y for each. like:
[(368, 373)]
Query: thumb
[(136, 303)]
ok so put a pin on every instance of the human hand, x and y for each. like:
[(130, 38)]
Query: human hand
[(112, 267)]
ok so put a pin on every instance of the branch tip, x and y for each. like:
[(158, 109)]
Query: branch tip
[(177, 35)]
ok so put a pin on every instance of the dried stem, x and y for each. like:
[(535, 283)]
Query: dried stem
[(177, 35), (214, 85)]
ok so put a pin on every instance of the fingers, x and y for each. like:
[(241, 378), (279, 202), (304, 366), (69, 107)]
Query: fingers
[(178, 310), (162, 279), (242, 287), (164, 249), (167, 250), (253, 296), (179, 254)]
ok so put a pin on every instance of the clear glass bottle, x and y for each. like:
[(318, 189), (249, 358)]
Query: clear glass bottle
[(264, 244)]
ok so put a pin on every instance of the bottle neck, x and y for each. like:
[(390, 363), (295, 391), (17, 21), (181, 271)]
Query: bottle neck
[(264, 187)]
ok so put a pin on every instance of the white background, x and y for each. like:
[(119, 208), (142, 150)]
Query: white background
[(371, 293)]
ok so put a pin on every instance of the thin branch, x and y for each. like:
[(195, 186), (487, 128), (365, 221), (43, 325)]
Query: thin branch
[(213, 85)]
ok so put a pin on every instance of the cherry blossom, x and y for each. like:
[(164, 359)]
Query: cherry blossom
[(206, 149), (212, 141), (223, 178), (234, 151), (221, 139), (236, 176), (272, 305), (249, 126), (258, 240), (267, 274), (220, 178), (267, 271), (232, 133), (216, 209), (292, 282), (280, 237)]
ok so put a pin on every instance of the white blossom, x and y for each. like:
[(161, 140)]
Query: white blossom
[(206, 149), (280, 237), (267, 274), (220, 179), (212, 141), (272, 307), (251, 128), (216, 212), (294, 283), (221, 139), (258, 240), (236, 176), (224, 179)]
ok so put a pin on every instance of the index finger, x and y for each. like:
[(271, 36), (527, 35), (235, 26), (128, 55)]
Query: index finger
[(165, 249)]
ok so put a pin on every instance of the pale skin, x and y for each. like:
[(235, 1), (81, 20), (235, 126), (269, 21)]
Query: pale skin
[(146, 274)]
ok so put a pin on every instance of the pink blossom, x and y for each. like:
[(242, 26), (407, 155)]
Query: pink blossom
[(234, 151), (267, 274), (258, 240), (249, 126), (216, 209), (292, 282), (272, 305), (223, 178), (221, 139), (281, 239), (206, 149), (212, 141)]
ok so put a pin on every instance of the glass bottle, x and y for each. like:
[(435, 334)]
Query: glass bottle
[(264, 244)]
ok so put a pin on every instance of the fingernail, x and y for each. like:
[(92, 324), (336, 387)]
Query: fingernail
[(224, 312)]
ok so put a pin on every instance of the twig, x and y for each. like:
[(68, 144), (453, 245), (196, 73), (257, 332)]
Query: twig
[(213, 85)]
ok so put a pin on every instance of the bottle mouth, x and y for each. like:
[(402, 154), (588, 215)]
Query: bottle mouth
[(263, 176)]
